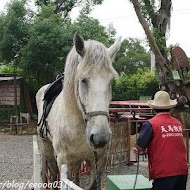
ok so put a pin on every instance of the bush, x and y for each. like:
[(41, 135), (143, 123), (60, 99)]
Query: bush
[(131, 87), (10, 69)]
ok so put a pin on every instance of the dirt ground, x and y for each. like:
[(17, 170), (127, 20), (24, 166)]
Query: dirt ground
[(123, 170), (85, 181)]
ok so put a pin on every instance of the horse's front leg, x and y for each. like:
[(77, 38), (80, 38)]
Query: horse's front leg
[(77, 174), (51, 161), (94, 175)]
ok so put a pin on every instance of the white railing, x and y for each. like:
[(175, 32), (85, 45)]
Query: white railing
[(66, 184), (37, 163)]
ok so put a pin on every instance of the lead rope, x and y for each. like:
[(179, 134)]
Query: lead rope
[(98, 181), (136, 172)]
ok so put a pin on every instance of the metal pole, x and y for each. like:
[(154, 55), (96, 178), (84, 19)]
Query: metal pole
[(128, 141)]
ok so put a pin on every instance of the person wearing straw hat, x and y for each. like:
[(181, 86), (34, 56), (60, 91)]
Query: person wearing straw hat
[(162, 138)]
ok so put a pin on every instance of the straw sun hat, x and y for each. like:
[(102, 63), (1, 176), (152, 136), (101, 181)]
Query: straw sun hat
[(162, 101)]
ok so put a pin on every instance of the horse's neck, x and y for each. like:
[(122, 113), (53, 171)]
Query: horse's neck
[(70, 102)]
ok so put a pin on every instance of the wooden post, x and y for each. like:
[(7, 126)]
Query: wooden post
[(136, 128), (129, 141), (15, 95)]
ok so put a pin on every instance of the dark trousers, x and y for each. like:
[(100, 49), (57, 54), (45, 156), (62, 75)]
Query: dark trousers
[(170, 183)]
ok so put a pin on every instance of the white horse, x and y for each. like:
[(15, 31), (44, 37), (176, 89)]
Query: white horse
[(78, 122)]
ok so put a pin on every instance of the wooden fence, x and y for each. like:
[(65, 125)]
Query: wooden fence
[(119, 151), (120, 146)]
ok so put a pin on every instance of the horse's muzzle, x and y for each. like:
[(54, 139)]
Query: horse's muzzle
[(99, 140)]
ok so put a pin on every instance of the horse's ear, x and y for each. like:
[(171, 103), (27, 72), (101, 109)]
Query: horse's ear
[(112, 50), (79, 44)]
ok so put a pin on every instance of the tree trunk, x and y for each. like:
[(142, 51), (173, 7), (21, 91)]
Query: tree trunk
[(164, 72), (175, 88)]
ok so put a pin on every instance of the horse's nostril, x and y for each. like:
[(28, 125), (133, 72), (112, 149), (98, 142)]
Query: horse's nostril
[(92, 140), (97, 142)]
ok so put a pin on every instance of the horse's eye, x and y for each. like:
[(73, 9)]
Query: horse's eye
[(84, 81)]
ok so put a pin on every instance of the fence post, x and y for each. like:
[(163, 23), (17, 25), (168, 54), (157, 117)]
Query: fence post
[(37, 164), (129, 141)]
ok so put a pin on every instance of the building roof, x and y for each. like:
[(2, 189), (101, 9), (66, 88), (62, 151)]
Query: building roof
[(9, 78)]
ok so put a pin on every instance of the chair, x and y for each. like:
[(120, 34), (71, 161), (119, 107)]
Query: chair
[(21, 121), (13, 124), (24, 120)]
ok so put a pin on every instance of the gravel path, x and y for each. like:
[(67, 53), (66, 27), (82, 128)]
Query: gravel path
[(16, 158)]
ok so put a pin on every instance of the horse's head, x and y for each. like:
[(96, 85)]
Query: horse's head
[(93, 87)]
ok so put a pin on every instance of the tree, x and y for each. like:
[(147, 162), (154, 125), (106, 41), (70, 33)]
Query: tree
[(45, 54), (14, 32), (50, 40), (132, 55), (158, 19), (64, 7), (90, 28), (2, 25), (131, 87)]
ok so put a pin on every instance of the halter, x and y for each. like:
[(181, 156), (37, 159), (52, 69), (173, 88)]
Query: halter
[(96, 113), (88, 115)]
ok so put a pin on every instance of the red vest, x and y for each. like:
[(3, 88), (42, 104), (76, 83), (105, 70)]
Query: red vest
[(166, 152)]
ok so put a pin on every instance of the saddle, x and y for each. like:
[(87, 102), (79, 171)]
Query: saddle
[(50, 95)]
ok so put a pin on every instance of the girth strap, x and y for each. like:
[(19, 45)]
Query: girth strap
[(96, 113)]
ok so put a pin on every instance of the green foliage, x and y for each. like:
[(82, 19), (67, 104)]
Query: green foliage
[(131, 87), (132, 55), (14, 31), (149, 11), (10, 68), (160, 40), (44, 55), (50, 40), (186, 75), (90, 28), (157, 14), (64, 7), (40, 48)]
